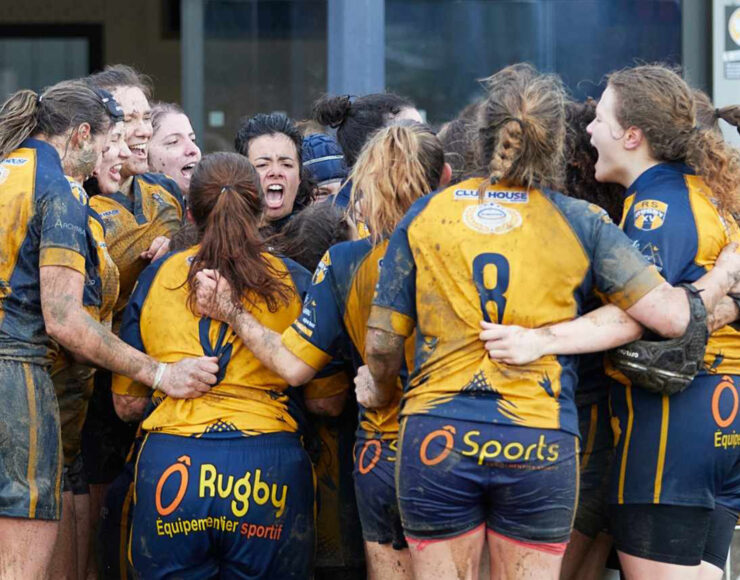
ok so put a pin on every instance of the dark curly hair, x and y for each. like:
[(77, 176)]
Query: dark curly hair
[(270, 124), (580, 159)]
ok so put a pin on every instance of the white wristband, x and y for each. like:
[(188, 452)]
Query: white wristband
[(158, 376)]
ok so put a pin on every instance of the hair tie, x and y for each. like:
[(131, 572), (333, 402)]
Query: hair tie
[(38, 98), (717, 113), (225, 188)]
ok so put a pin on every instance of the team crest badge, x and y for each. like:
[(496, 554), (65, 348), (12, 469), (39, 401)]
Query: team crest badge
[(650, 214), (491, 218), (320, 273)]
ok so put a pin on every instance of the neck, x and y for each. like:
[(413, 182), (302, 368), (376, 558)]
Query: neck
[(61, 144), (127, 186), (634, 171)]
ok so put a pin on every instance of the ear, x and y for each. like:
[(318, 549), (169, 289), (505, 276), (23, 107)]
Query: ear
[(189, 216), (633, 138), (82, 134), (446, 176)]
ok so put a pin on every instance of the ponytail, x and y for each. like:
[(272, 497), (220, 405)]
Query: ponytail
[(718, 163), (729, 114), (507, 150), (522, 128), (18, 120), (226, 205), (400, 164), (61, 107)]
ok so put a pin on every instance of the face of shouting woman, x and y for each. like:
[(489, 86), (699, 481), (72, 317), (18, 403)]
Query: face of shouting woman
[(173, 150), (276, 159), (115, 154)]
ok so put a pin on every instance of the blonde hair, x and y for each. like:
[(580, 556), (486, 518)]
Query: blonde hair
[(396, 167), (656, 100), (521, 127)]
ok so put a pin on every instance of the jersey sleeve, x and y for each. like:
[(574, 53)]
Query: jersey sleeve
[(131, 331), (394, 304), (314, 335), (63, 218), (621, 273)]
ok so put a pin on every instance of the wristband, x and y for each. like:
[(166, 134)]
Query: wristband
[(158, 376)]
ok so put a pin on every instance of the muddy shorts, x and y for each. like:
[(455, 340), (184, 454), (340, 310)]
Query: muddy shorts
[(73, 385), (223, 507), (375, 488), (30, 445), (597, 456), (454, 476)]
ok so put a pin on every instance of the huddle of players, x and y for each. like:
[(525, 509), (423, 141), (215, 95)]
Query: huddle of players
[(244, 349)]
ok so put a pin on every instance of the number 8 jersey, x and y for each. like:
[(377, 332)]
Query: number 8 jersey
[(514, 256)]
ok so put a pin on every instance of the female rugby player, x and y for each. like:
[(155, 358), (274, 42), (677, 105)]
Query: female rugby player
[(223, 486), (488, 454), (42, 137), (675, 472), (73, 381), (399, 165)]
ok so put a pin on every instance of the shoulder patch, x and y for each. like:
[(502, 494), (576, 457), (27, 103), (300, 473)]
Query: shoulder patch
[(320, 273), (649, 214)]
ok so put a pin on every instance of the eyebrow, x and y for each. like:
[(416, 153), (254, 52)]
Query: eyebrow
[(281, 158)]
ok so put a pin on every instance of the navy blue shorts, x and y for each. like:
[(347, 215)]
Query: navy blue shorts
[(223, 507), (375, 488), (30, 443), (454, 476), (597, 457), (678, 450)]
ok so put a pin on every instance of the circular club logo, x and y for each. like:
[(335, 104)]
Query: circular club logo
[(491, 218), (733, 26)]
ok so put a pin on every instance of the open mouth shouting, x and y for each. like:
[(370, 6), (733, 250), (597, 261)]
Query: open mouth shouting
[(274, 196), (187, 170), (138, 150), (114, 173)]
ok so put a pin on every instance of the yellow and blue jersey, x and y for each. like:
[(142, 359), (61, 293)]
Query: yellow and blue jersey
[(248, 399), (41, 224), (156, 208), (334, 318), (518, 256), (679, 449), (73, 382), (670, 216)]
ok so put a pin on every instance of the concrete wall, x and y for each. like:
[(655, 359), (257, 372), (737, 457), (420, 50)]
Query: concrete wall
[(132, 33)]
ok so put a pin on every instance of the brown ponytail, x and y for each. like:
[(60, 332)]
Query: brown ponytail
[(730, 114), (64, 106), (226, 205), (521, 127)]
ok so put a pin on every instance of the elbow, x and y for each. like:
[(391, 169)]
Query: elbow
[(296, 377), (129, 408), (673, 325)]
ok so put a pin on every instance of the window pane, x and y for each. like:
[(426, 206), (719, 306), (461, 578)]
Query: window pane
[(261, 56), (437, 49)]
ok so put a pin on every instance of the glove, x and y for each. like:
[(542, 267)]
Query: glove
[(667, 366)]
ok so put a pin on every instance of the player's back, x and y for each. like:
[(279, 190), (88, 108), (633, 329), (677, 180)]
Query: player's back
[(516, 257)]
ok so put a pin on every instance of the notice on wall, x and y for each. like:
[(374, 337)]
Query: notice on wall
[(731, 54)]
